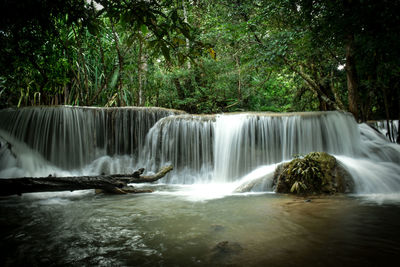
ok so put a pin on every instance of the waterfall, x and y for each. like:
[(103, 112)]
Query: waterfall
[(376, 147), (245, 141), (226, 147), (185, 141), (221, 149), (389, 129), (372, 177), (377, 171), (72, 137)]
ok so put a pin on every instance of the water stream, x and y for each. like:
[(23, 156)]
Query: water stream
[(194, 217)]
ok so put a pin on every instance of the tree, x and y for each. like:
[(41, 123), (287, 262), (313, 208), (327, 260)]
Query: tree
[(52, 47), (204, 56)]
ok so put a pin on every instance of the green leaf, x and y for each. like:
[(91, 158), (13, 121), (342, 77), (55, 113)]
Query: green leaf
[(295, 187), (304, 186), (144, 29), (114, 78)]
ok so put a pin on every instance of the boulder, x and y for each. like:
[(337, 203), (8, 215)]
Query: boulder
[(313, 174)]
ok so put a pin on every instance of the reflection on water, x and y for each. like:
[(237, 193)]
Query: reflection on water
[(168, 229)]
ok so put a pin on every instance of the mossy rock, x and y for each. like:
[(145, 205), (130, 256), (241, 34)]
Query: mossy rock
[(314, 174)]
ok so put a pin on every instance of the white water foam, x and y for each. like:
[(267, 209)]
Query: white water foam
[(212, 155), (261, 177), (372, 177)]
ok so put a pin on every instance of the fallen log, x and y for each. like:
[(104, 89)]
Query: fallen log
[(117, 183)]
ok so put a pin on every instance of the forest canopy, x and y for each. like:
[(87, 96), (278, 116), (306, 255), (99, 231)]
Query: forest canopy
[(203, 56)]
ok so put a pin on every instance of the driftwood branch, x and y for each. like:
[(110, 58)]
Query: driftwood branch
[(152, 178), (117, 183)]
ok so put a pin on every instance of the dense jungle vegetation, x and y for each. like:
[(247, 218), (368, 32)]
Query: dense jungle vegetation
[(203, 56)]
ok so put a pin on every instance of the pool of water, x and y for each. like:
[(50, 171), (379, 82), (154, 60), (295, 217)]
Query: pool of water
[(170, 228)]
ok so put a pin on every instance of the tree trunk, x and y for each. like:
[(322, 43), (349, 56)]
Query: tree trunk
[(239, 88), (322, 104), (351, 74), (335, 92), (385, 101), (117, 183), (179, 89), (314, 86), (185, 19)]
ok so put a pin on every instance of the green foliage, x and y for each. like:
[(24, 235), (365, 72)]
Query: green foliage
[(305, 174), (314, 173), (201, 56)]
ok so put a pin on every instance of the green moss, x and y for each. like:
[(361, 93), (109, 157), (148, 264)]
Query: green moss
[(315, 173)]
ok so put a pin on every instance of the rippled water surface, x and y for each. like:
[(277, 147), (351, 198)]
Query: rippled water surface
[(169, 229)]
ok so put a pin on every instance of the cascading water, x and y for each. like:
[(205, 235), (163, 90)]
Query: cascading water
[(71, 137), (389, 129), (377, 171), (214, 156), (203, 149), (226, 147), (186, 141), (245, 141)]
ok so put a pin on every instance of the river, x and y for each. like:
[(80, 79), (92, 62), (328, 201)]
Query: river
[(171, 228), (194, 217)]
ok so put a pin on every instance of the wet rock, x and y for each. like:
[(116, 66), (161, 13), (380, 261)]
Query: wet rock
[(314, 174)]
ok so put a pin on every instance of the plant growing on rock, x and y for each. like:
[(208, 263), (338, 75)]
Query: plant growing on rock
[(305, 173), (314, 173)]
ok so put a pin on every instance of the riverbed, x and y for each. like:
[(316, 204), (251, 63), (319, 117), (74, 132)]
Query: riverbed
[(171, 228)]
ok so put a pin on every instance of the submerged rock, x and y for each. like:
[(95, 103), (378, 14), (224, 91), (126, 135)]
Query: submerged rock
[(217, 227), (315, 173), (224, 250)]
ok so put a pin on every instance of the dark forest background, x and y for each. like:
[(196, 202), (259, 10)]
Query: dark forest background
[(203, 56)]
